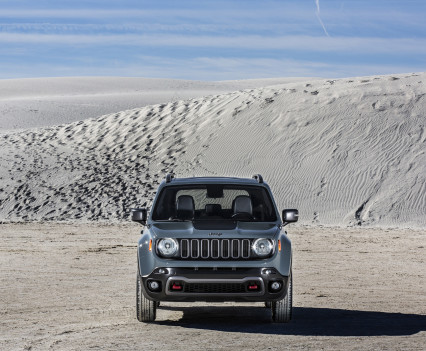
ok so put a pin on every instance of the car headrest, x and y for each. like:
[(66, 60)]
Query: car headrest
[(185, 207), (213, 209), (242, 204)]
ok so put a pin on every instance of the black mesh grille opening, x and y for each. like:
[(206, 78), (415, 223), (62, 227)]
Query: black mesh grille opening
[(245, 249), (184, 246), (215, 248), (235, 248), (214, 288), (225, 249), (195, 250)]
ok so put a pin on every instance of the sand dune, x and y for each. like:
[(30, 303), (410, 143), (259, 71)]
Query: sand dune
[(41, 102), (345, 152)]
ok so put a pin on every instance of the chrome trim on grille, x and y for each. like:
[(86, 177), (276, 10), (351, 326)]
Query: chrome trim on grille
[(215, 245), (195, 251), (184, 248), (245, 248), (205, 248), (235, 246), (225, 241), (215, 249)]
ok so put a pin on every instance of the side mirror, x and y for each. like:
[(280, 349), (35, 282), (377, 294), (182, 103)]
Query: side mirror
[(139, 215), (290, 216)]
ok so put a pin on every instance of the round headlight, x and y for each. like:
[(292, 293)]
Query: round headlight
[(167, 247), (263, 247)]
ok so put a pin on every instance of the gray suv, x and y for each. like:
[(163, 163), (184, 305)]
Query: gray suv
[(214, 239)]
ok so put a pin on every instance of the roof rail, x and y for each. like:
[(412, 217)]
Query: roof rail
[(258, 177), (169, 177)]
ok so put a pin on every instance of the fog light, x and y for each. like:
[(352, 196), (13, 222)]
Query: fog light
[(153, 285), (276, 286), (267, 271), (162, 271)]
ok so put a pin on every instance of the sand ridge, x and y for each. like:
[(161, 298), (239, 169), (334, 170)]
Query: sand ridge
[(42, 102), (345, 152)]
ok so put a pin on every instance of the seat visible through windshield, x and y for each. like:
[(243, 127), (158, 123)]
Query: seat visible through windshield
[(215, 202)]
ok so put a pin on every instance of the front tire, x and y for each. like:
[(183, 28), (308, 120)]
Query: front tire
[(282, 310), (146, 310)]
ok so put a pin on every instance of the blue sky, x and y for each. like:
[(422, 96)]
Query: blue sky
[(211, 39)]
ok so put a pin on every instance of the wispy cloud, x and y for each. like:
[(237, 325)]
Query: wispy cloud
[(214, 14), (319, 17), (81, 13), (207, 68), (258, 38), (146, 27), (248, 42)]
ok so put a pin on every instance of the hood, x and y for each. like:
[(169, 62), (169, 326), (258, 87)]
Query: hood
[(189, 230)]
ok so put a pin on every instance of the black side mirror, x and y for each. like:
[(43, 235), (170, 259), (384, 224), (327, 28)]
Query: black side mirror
[(139, 215), (290, 216)]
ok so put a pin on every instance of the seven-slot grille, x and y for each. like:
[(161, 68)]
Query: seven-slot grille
[(216, 249)]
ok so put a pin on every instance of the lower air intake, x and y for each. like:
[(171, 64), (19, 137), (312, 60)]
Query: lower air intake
[(214, 288)]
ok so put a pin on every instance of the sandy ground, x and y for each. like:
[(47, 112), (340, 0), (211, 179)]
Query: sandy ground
[(72, 287)]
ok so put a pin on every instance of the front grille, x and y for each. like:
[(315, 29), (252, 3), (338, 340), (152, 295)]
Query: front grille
[(216, 249), (214, 288)]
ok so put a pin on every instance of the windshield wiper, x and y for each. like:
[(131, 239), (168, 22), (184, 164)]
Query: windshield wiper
[(179, 220)]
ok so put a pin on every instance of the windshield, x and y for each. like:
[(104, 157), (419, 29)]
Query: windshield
[(214, 202)]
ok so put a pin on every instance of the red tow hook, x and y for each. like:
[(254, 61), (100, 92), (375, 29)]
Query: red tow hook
[(253, 287), (176, 286)]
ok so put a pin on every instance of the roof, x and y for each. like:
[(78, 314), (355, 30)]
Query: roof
[(215, 180)]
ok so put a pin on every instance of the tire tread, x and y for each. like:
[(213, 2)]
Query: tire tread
[(282, 310), (146, 310)]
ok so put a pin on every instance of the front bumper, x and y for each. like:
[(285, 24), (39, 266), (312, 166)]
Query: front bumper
[(215, 284)]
